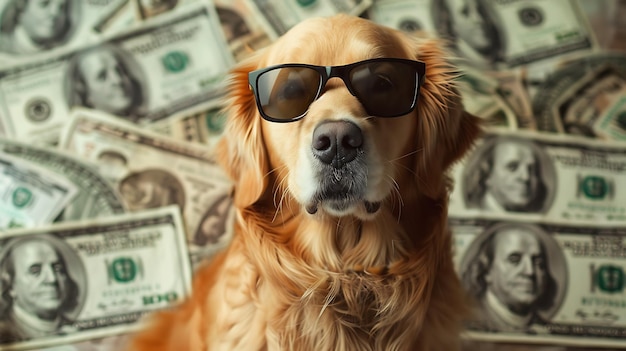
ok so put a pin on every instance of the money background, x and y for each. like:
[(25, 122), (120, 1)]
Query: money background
[(543, 66)]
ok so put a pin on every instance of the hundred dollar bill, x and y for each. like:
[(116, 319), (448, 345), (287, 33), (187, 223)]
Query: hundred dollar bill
[(95, 196), (239, 22), (203, 124), (501, 33), (151, 170), (573, 82), (520, 32), (278, 16), (31, 195), (542, 175), (540, 281), (36, 27), (101, 277), (175, 62)]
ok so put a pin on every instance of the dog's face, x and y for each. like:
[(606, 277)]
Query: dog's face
[(338, 159)]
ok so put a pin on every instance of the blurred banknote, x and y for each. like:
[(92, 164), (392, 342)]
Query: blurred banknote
[(95, 196), (240, 25), (31, 195), (495, 34), (119, 19), (481, 97), (150, 170), (172, 63), (202, 125), (407, 15), (611, 123), (541, 175), (279, 16), (243, 29), (35, 27), (579, 108), (101, 277), (540, 281), (573, 97), (512, 90)]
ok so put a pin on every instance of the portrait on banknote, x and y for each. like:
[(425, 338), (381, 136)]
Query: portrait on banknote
[(473, 29), (112, 164), (214, 222), (152, 188), (106, 78), (43, 285), (509, 174), (32, 26), (516, 274)]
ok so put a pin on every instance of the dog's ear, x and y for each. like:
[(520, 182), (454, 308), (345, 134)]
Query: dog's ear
[(241, 151), (446, 130)]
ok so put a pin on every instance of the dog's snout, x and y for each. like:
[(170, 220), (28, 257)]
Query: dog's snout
[(337, 142)]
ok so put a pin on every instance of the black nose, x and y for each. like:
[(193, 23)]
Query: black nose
[(336, 142)]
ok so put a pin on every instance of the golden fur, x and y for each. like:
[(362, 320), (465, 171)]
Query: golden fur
[(353, 280)]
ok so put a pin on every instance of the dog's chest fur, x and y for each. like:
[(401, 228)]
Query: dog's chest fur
[(354, 311), (303, 307)]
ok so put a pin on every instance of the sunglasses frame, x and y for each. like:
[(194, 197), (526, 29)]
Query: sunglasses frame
[(327, 72)]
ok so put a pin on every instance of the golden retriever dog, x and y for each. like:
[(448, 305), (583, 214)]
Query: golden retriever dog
[(338, 139)]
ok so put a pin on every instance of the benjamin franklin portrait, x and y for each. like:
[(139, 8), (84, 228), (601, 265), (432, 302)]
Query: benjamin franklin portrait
[(509, 174), (43, 284), (32, 26), (517, 275)]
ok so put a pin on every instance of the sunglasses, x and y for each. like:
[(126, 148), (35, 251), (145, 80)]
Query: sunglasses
[(386, 87)]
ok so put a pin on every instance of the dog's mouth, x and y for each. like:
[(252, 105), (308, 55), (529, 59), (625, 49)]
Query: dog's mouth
[(342, 206), (341, 196)]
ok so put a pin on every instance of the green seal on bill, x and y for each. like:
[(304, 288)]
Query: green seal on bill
[(175, 61)]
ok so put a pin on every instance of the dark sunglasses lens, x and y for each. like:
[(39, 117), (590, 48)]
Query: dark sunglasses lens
[(386, 89), (286, 93)]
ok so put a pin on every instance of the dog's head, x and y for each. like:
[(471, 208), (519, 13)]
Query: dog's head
[(340, 157)]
